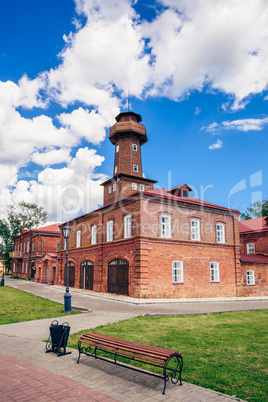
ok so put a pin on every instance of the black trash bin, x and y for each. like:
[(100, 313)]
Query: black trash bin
[(58, 338)]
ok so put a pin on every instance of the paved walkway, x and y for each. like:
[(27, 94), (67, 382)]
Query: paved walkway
[(23, 358)]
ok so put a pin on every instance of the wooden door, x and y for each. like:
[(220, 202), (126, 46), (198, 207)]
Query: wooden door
[(118, 273)]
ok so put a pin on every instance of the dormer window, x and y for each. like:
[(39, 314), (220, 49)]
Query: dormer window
[(135, 168), (184, 193), (134, 147)]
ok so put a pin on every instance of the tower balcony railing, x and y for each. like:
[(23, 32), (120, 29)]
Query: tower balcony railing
[(15, 254)]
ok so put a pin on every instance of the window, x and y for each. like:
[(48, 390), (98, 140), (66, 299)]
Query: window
[(110, 189), (114, 187), (134, 147), (214, 272), (28, 247), (250, 278), (165, 226), (195, 229), (78, 238), (220, 233), (134, 186), (94, 234), (250, 248), (26, 268), (33, 247), (127, 226), (14, 267), (142, 187), (110, 226), (116, 169), (135, 168), (177, 271), (24, 247), (184, 193), (117, 148), (22, 268)]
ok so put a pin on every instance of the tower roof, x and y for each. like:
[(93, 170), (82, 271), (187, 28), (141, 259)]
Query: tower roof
[(128, 123), (131, 114)]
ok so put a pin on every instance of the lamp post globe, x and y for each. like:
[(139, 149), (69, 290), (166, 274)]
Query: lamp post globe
[(67, 297), (3, 274)]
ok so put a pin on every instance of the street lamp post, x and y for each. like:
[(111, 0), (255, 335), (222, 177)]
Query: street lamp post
[(3, 275), (67, 297)]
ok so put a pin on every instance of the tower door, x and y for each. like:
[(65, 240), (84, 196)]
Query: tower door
[(118, 273), (87, 275)]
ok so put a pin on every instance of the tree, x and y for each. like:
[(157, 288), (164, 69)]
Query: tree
[(255, 210), (26, 216)]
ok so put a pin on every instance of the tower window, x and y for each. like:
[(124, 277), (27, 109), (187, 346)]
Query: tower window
[(117, 148), (114, 187), (135, 168), (134, 186), (116, 169), (110, 189), (127, 226), (142, 187), (135, 147)]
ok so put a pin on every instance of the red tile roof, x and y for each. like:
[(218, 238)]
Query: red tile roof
[(165, 194), (257, 258), (48, 229), (254, 225)]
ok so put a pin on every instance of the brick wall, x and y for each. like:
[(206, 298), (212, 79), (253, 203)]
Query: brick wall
[(261, 280), (260, 241)]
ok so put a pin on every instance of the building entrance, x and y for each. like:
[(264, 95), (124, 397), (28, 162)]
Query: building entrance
[(86, 275), (118, 272)]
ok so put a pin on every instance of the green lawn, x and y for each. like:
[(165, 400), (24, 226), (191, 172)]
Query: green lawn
[(226, 352), (18, 306)]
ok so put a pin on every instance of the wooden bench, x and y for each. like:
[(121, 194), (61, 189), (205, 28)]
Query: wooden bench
[(169, 360)]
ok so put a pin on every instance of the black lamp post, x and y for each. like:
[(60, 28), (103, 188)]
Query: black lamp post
[(67, 297), (3, 275)]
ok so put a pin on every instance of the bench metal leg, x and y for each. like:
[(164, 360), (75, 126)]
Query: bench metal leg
[(172, 370)]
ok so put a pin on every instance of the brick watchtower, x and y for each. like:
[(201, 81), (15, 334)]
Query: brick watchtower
[(128, 135)]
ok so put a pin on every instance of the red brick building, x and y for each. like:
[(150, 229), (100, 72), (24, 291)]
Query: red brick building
[(254, 256), (35, 254), (147, 242)]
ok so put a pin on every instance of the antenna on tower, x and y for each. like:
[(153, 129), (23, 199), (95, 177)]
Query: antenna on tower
[(128, 100)]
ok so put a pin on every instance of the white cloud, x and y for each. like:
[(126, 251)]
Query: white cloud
[(217, 145), (240, 125), (51, 157)]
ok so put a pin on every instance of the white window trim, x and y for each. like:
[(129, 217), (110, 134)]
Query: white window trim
[(134, 147), (109, 233), (26, 268), (134, 186), (252, 247), (165, 226), (117, 148), (28, 247), (195, 230), (110, 189), (214, 271), (177, 272), (220, 232), (94, 234), (78, 238), (127, 226), (250, 277), (116, 169), (114, 187), (142, 187), (14, 267), (135, 168)]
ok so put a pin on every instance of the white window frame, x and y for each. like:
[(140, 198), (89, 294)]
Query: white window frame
[(114, 187), (116, 169), (127, 226), (32, 246), (250, 277), (94, 234), (14, 267), (117, 148), (165, 226), (24, 247), (28, 247), (250, 248), (195, 229), (177, 271), (26, 268), (142, 187), (135, 168), (110, 189), (220, 229), (109, 232), (134, 147), (134, 186), (78, 238), (214, 271)]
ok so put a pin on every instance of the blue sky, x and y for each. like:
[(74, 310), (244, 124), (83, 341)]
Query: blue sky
[(196, 72)]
